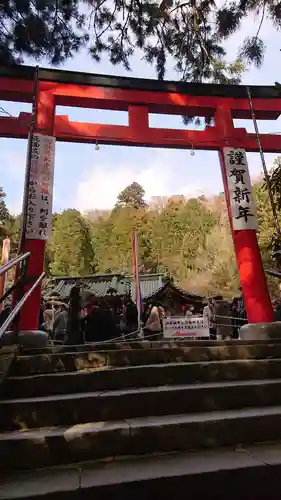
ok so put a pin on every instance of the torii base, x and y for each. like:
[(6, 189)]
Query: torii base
[(261, 331)]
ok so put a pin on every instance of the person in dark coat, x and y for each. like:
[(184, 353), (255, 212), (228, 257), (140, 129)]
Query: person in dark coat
[(131, 316), (222, 317), (60, 323), (243, 320), (277, 311), (41, 314), (74, 333), (100, 324), (235, 318)]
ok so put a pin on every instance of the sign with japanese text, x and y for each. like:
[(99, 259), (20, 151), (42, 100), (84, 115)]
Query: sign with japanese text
[(40, 188), (242, 203), (180, 326)]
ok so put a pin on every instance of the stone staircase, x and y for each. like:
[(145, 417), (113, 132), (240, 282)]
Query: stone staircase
[(142, 420)]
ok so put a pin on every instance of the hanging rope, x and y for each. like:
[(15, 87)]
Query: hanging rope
[(266, 176)]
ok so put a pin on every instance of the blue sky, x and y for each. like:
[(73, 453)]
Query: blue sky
[(87, 179)]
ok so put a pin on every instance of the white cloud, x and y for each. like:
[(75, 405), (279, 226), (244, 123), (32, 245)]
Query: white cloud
[(100, 188), (102, 185), (195, 190), (15, 208)]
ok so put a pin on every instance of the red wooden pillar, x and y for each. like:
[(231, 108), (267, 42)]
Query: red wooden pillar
[(29, 316), (248, 256)]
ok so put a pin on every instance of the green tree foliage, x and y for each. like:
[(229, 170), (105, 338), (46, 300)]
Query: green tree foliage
[(178, 231), (71, 247), (168, 239), (192, 33), (265, 219), (13, 228), (9, 225), (214, 269), (188, 239), (268, 238), (4, 212), (274, 241), (52, 29), (132, 196), (112, 238)]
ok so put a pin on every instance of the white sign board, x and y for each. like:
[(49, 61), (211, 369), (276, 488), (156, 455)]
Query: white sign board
[(40, 188), (179, 326), (240, 190)]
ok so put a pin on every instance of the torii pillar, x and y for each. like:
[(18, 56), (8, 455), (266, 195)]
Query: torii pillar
[(252, 276), (29, 315)]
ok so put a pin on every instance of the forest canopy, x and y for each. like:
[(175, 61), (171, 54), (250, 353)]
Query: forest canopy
[(192, 34), (187, 239)]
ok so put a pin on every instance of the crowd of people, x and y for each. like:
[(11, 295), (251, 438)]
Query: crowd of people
[(100, 319), (103, 319), (97, 320), (223, 318)]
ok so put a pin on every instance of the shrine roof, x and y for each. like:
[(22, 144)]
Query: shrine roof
[(100, 285), (121, 82)]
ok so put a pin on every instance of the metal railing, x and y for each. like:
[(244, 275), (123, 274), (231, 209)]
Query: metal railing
[(21, 261), (19, 305), (14, 262)]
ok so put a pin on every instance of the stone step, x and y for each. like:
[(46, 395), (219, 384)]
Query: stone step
[(67, 361), (140, 376), (235, 474), (144, 344), (39, 448), (72, 409)]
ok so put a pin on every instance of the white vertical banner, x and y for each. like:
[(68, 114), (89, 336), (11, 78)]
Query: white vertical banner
[(40, 188), (243, 207)]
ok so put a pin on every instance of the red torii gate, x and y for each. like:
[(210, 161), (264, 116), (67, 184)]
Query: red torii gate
[(139, 97)]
